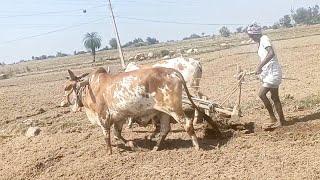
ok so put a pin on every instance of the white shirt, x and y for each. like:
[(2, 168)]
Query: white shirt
[(262, 52), (271, 72)]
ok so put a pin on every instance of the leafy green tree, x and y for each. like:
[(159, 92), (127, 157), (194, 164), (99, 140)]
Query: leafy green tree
[(224, 32), (239, 29), (137, 40), (315, 15), (303, 16), (113, 43), (275, 26), (194, 36), (285, 21), (92, 42)]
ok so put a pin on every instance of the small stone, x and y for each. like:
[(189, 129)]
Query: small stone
[(33, 131), (189, 51), (28, 122), (166, 57), (131, 59), (40, 111), (150, 55)]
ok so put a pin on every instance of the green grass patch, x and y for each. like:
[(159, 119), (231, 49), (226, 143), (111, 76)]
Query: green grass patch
[(309, 101)]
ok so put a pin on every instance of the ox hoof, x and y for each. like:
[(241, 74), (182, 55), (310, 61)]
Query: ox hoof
[(109, 152), (148, 137), (156, 148), (151, 137), (130, 144), (116, 138)]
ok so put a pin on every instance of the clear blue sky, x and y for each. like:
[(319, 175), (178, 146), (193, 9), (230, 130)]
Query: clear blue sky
[(37, 27)]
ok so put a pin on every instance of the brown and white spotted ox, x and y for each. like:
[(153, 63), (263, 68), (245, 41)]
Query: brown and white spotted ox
[(190, 69), (110, 99)]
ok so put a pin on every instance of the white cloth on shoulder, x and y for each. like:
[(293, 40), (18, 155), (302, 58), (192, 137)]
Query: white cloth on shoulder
[(271, 75)]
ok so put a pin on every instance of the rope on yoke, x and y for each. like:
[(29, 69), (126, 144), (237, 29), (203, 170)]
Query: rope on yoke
[(236, 87)]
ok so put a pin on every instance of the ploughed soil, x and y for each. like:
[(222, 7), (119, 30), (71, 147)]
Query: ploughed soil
[(68, 147)]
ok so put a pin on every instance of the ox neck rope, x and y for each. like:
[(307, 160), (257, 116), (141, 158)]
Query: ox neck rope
[(79, 94)]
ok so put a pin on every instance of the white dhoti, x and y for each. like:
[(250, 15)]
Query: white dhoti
[(271, 75)]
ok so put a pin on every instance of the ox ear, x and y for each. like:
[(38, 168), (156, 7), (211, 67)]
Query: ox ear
[(68, 87), (72, 76), (84, 83)]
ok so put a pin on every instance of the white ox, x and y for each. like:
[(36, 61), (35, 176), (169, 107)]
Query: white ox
[(190, 69)]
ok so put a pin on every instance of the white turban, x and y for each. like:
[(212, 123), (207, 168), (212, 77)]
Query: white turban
[(254, 29)]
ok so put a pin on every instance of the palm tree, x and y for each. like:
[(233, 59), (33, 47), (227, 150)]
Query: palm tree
[(92, 42)]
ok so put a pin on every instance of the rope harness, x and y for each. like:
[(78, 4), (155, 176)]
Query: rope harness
[(79, 94)]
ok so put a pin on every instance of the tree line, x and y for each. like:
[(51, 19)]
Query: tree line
[(302, 16), (92, 41)]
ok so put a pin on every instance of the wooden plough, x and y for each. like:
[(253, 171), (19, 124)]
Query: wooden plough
[(212, 108)]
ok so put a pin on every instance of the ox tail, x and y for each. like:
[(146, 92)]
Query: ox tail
[(206, 117)]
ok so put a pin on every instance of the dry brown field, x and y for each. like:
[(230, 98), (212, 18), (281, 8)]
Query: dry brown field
[(69, 147)]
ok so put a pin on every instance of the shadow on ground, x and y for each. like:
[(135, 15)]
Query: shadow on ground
[(205, 143), (310, 117)]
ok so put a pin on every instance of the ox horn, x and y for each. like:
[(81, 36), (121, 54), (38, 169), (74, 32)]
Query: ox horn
[(108, 70), (72, 76), (83, 75)]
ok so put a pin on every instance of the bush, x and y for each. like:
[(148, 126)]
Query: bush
[(60, 54), (150, 40), (192, 36), (164, 52), (139, 44)]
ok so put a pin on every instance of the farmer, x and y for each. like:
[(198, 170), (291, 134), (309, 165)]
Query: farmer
[(270, 73)]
